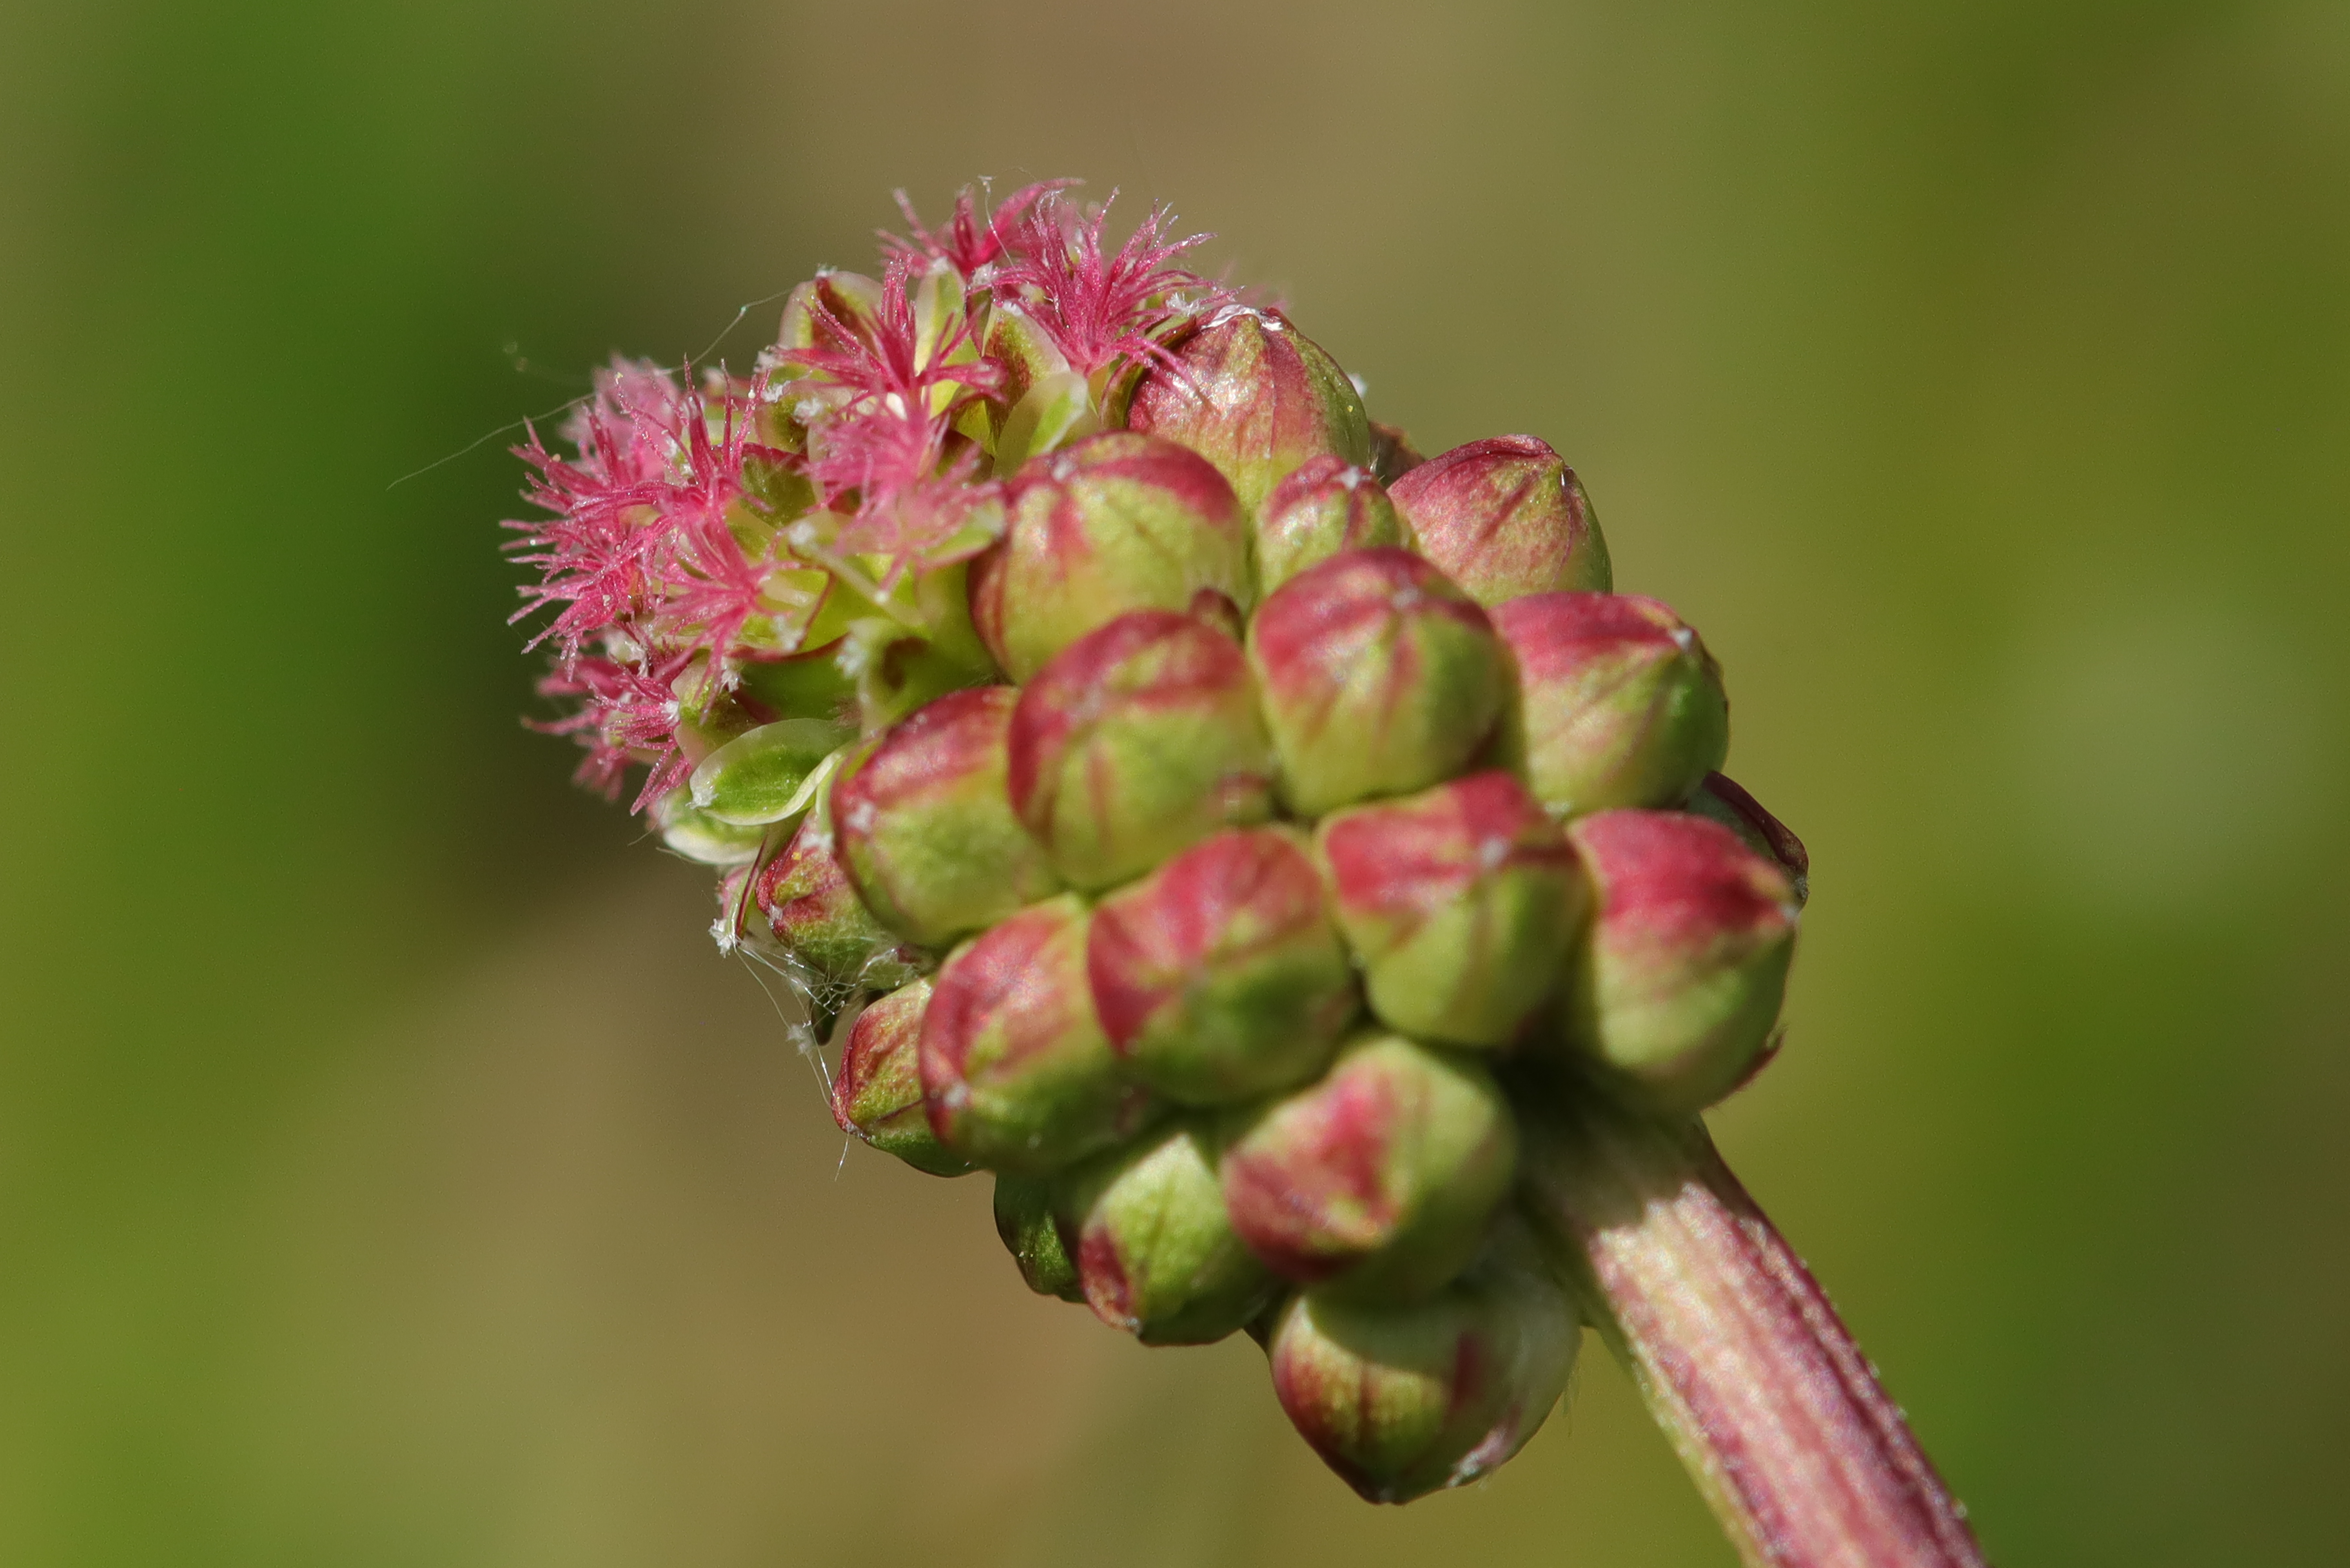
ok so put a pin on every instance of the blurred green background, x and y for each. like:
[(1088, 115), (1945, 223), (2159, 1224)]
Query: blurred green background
[(392, 1173)]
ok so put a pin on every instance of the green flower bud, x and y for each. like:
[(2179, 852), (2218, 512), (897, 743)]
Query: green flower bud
[(759, 776), (1676, 987), (1218, 977), (1325, 506), (1505, 517), (1461, 902), (1719, 800), (877, 1092), (1137, 740), (1026, 1218), (1403, 1399), (923, 825), (1016, 1068), (1378, 677), (817, 918), (1116, 522), (1156, 1253), (1618, 702), (698, 836), (1377, 1180), (1256, 398)]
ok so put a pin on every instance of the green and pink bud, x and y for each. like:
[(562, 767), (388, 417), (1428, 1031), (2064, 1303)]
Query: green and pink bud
[(1156, 1253), (1328, 505), (1505, 517), (923, 825), (1016, 1071), (1460, 901), (1378, 677), (1719, 799), (877, 1092), (1136, 740), (1218, 977), (1403, 1399), (1620, 704), (1377, 1180), (1256, 396), (1676, 989), (1114, 522), (1028, 1222), (807, 903)]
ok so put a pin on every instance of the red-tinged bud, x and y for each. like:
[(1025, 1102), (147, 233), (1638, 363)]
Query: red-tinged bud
[(1403, 1399), (1462, 903), (1016, 1068), (1377, 1180), (1619, 702), (1027, 1220), (1724, 801), (1218, 977), (1676, 987), (1116, 522), (1156, 1253), (1256, 398), (1378, 677), (1328, 505), (877, 1092), (1505, 517), (924, 828), (1137, 740), (815, 915)]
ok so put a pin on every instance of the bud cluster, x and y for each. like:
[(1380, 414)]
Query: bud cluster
[(1198, 810)]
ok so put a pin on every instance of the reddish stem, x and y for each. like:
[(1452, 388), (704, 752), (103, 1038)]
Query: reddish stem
[(1776, 1413)]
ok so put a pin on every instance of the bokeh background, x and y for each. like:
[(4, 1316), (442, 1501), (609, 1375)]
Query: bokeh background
[(390, 1172)]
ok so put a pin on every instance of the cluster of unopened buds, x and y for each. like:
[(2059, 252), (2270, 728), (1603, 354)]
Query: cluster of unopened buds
[(1281, 859)]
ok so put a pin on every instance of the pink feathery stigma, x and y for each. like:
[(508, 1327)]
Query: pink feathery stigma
[(886, 360), (914, 524), (600, 553), (627, 713), (1098, 308), (962, 240), (710, 587), (639, 548), (887, 444)]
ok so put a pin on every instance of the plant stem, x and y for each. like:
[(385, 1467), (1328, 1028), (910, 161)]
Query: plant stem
[(1772, 1408)]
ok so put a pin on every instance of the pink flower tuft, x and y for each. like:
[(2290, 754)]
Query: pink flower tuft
[(961, 239), (639, 556), (1098, 308), (628, 714)]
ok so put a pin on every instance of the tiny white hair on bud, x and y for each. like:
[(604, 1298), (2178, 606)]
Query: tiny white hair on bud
[(1683, 638), (1362, 388), (721, 931), (1353, 477)]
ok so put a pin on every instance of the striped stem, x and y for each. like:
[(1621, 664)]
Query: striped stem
[(1773, 1408)]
